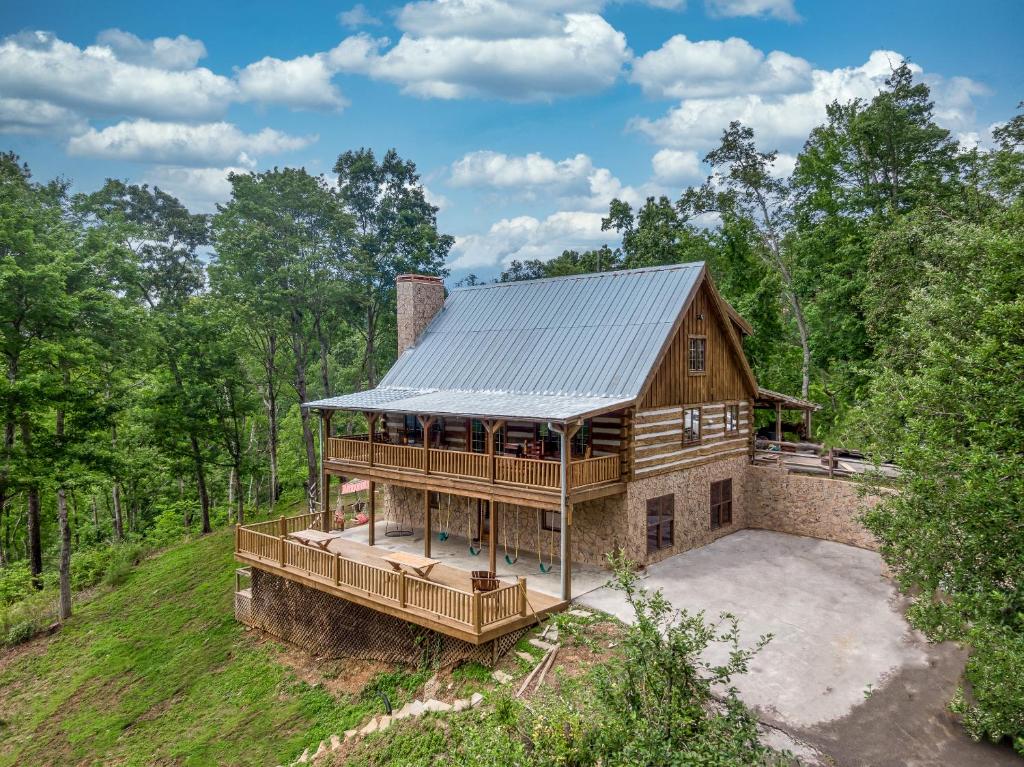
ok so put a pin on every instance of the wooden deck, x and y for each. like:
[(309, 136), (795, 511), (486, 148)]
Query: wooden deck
[(358, 573), (526, 480)]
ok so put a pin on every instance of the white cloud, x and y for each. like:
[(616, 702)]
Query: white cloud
[(779, 9), (675, 166), (682, 68), (37, 117), (526, 237), (200, 189), (357, 16), (93, 80), (784, 120), (207, 144), (303, 82), (496, 169), (584, 54), (783, 166), (478, 19), (176, 53)]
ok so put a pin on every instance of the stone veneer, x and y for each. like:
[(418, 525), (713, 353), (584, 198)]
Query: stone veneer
[(763, 497), (800, 504), (420, 297)]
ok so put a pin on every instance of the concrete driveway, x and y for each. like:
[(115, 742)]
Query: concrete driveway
[(844, 674)]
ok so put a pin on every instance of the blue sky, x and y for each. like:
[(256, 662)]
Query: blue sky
[(525, 117)]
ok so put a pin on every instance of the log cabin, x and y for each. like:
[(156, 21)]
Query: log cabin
[(559, 419)]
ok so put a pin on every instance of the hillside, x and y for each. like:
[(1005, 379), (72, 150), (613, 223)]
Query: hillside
[(158, 672)]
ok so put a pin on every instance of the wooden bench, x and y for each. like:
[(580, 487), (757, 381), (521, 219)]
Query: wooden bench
[(314, 538), (421, 566)]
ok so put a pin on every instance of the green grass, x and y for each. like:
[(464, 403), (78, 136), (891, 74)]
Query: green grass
[(158, 672)]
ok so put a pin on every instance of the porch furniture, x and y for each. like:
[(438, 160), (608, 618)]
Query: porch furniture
[(484, 580), (421, 566), (317, 538)]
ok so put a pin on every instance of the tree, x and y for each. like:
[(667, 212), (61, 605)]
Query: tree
[(395, 233)]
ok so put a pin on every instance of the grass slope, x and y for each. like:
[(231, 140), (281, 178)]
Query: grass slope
[(157, 672)]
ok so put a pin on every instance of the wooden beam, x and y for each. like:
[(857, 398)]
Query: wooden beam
[(426, 523), (492, 538), (778, 421), (371, 533), (371, 423), (567, 557)]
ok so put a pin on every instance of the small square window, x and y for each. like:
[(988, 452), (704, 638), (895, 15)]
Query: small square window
[(698, 354), (732, 419), (550, 521), (691, 425), (721, 503)]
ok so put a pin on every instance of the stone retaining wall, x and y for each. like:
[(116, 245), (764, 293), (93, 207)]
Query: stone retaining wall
[(817, 507)]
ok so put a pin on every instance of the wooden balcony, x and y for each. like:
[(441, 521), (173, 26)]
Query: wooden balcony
[(356, 456), (446, 602)]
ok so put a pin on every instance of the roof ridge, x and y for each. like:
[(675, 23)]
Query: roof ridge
[(585, 275)]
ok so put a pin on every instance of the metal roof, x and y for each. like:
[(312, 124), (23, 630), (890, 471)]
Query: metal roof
[(557, 348), (765, 396)]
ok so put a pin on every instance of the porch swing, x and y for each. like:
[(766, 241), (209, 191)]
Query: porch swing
[(473, 550), (445, 528), (393, 527), (504, 529), (551, 546)]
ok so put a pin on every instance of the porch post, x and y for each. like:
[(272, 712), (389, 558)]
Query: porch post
[(325, 478), (807, 425), (492, 538), (371, 421), (563, 506), (426, 523), (778, 421), (372, 513), (426, 422)]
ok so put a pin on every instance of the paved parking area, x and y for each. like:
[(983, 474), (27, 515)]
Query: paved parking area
[(844, 673)]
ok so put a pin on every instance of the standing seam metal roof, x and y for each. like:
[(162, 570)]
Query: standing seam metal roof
[(594, 337)]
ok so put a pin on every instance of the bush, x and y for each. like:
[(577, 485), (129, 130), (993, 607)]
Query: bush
[(123, 558), (994, 709), (21, 632), (15, 583), (168, 526)]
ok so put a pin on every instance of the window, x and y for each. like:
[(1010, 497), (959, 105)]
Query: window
[(413, 430), (721, 503), (550, 520), (437, 435), (691, 425), (581, 439), (661, 512), (477, 437), (698, 349), (499, 440), (732, 419)]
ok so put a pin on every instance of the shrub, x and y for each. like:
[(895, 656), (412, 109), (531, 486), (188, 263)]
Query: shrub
[(123, 558), (15, 583), (995, 707), (21, 632)]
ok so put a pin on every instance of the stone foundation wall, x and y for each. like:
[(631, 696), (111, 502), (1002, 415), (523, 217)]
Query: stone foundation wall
[(799, 504), (327, 626), (691, 488), (599, 525)]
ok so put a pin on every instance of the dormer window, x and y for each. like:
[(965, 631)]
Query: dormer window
[(698, 354)]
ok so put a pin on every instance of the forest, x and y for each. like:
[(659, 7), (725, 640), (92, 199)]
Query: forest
[(155, 358)]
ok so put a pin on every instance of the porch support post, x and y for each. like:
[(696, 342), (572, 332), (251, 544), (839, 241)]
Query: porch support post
[(371, 422), (426, 422), (426, 523), (563, 507), (492, 538), (778, 421), (325, 478), (807, 424), (372, 513)]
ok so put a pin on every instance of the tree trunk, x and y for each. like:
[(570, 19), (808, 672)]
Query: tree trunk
[(299, 349), (325, 348), (35, 546), (371, 347), (270, 403), (95, 513), (236, 476), (204, 497), (118, 519), (65, 555)]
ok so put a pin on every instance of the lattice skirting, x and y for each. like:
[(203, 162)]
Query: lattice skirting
[(327, 626)]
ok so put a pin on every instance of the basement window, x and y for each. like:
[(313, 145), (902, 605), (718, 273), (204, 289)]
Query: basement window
[(661, 512), (550, 520), (732, 419), (691, 425), (698, 354), (721, 503)]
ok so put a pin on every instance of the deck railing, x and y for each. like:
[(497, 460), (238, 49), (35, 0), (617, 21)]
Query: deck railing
[(524, 472), (471, 611)]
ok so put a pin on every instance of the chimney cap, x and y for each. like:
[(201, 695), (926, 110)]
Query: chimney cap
[(418, 278)]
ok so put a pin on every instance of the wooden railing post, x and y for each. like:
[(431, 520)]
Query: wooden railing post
[(280, 550), (238, 536), (477, 623), (337, 569), (282, 527), (401, 588), (522, 595)]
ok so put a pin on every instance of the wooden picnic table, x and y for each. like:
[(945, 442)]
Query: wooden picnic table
[(314, 538), (419, 565)]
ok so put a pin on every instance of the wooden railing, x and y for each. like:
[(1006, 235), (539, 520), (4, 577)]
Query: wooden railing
[(469, 610), (527, 471), (592, 471), (524, 472), (459, 464)]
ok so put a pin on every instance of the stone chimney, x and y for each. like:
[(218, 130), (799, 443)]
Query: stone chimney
[(420, 297)]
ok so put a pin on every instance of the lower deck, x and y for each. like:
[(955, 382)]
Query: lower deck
[(445, 601)]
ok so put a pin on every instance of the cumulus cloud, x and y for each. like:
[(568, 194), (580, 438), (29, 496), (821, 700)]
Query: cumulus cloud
[(357, 16), (526, 237), (201, 145), (583, 54), (675, 166), (35, 117), (200, 189), (683, 68), (303, 82), (779, 9), (786, 119), (178, 53)]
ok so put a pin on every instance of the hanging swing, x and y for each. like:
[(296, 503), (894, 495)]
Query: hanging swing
[(551, 545), (474, 550), (393, 528), (504, 529), (445, 530)]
